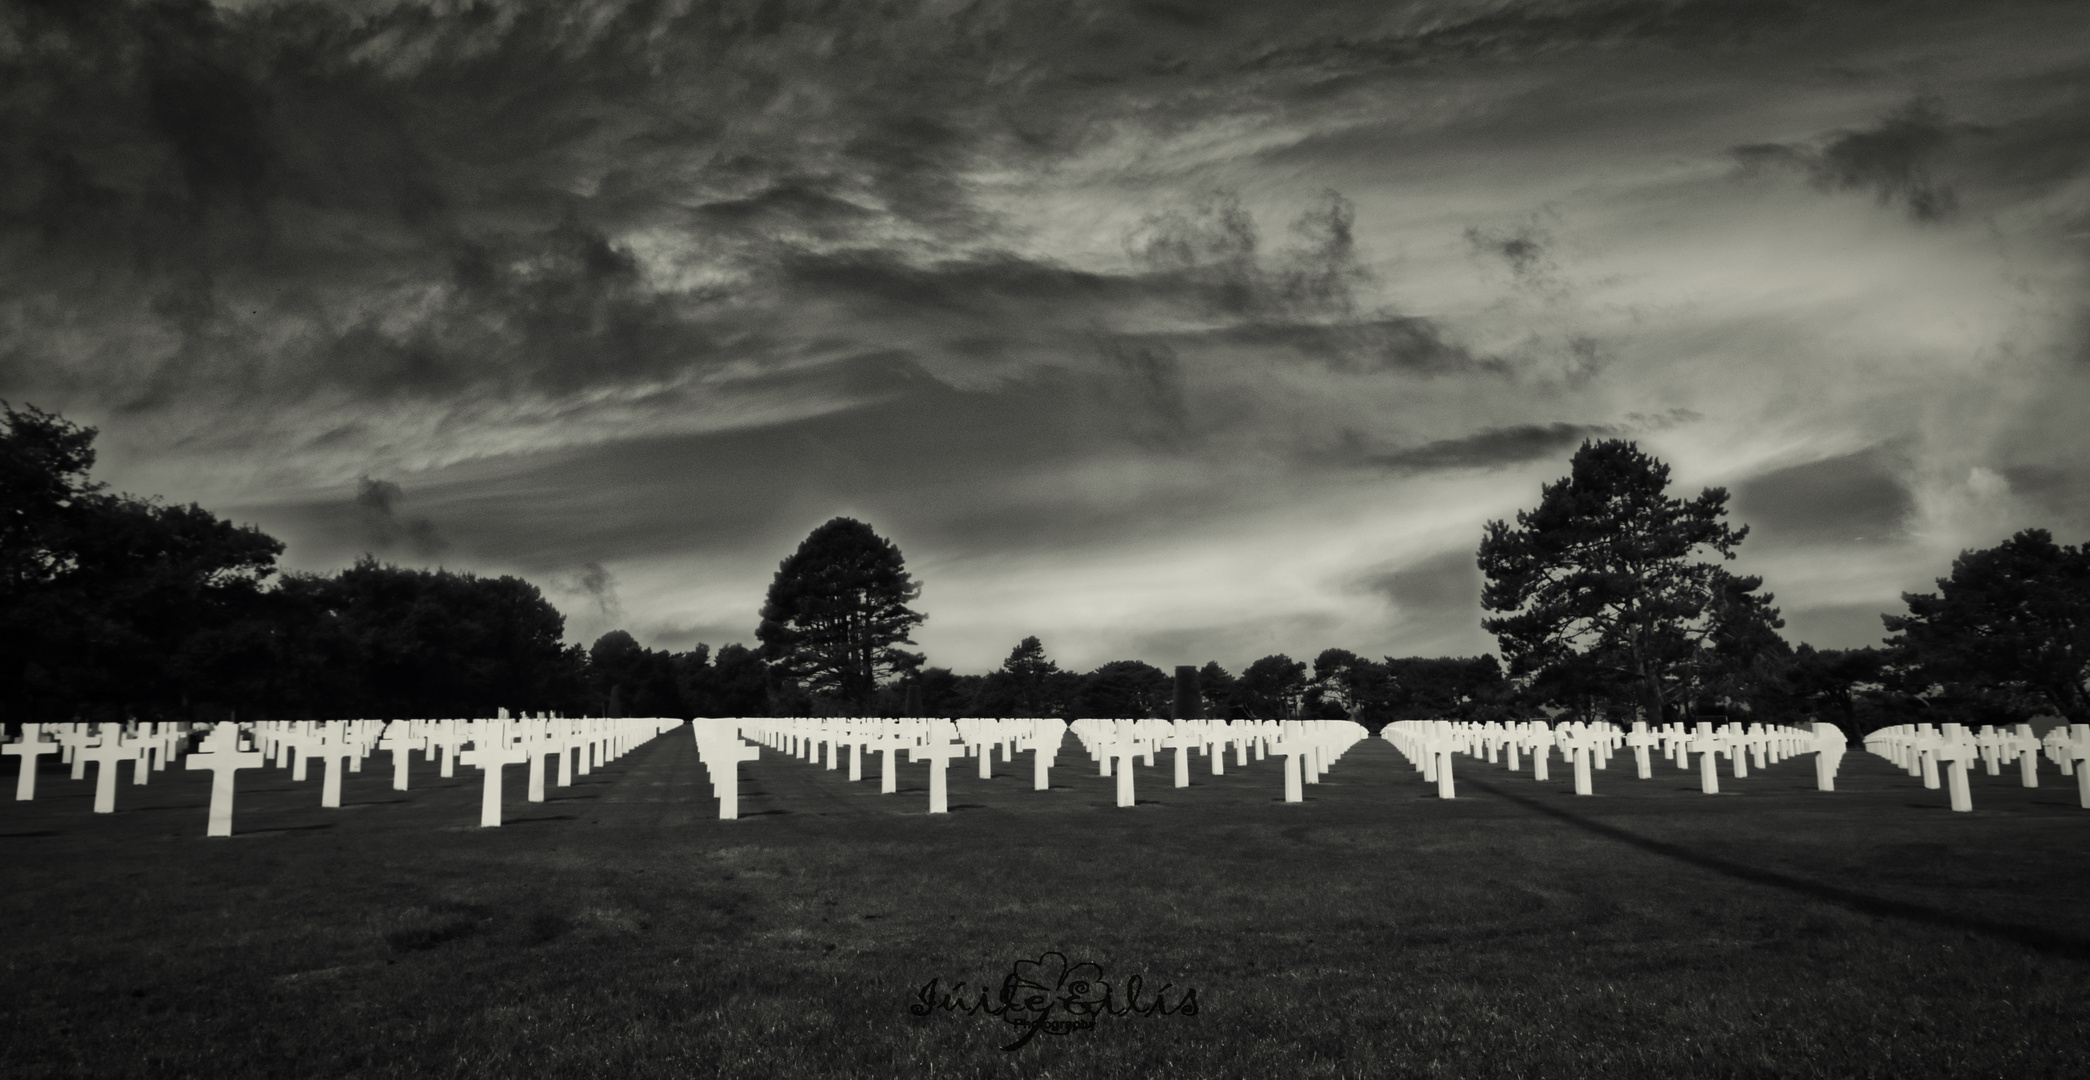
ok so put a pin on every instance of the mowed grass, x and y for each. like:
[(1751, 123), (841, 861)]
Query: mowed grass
[(620, 930)]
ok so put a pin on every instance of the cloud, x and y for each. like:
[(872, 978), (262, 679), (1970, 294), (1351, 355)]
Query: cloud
[(601, 587), (1526, 249), (1494, 448), (377, 505), (1894, 160), (1441, 587), (1853, 498)]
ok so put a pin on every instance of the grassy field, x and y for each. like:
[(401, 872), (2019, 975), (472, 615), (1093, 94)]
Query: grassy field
[(620, 930)]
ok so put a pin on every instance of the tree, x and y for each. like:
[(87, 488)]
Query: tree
[(1363, 688), (1126, 690), (1217, 686), (1271, 687), (628, 679), (2013, 621), (1449, 687), (1027, 684), (107, 602), (735, 683), (835, 611), (1603, 590), (1834, 681), (440, 643)]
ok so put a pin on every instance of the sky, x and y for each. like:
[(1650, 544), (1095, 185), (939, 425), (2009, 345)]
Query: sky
[(1173, 331)]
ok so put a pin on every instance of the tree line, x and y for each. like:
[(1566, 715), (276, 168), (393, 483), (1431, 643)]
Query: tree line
[(1609, 600)]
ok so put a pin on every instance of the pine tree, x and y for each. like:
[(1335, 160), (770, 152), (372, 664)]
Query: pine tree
[(835, 611), (1604, 595)]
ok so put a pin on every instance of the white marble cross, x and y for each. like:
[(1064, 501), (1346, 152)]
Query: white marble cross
[(1828, 754), (1578, 743), (1440, 750), (107, 753), (1045, 740), (222, 756), (332, 746), (1182, 740), (1706, 745), (1640, 740), (1927, 744), (399, 738), (1292, 748), (1123, 746), (889, 743), (31, 747), (2075, 749), (1540, 739), (1956, 750), (74, 738), (2026, 748), (721, 749), (938, 751), (491, 750)]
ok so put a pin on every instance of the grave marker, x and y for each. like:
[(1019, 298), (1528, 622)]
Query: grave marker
[(491, 751), (221, 754), (107, 752), (30, 748), (937, 750)]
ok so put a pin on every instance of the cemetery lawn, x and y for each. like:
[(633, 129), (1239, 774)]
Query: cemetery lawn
[(620, 930)]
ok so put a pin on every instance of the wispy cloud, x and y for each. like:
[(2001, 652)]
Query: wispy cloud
[(658, 287)]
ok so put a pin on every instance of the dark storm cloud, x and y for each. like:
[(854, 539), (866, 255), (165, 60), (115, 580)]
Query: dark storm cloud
[(431, 201), (1494, 448), (1894, 161), (1201, 263), (384, 527), (488, 203), (600, 587), (2059, 496), (1524, 29), (1856, 497), (1443, 585)]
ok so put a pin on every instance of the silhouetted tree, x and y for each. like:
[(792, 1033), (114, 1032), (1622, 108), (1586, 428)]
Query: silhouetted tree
[(1027, 684), (835, 611), (1218, 686), (1601, 579), (1125, 689), (2009, 629), (1271, 687), (735, 683), (440, 643), (107, 601), (629, 679)]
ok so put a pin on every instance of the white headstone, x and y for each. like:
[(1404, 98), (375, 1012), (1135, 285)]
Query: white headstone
[(491, 751), (222, 756), (31, 747)]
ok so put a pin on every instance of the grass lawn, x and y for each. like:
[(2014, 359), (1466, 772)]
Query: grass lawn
[(620, 930)]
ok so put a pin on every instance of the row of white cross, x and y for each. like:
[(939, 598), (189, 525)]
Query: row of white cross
[(822, 741), (1429, 744), (1921, 748), (1308, 747), (342, 745)]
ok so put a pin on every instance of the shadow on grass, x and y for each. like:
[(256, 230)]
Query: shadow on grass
[(284, 828), (547, 817), (2031, 937), (22, 835)]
